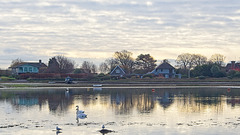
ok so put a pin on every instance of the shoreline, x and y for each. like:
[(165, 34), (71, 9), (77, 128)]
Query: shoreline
[(183, 84)]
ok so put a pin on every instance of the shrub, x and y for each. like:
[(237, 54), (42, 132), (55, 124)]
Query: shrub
[(4, 78), (101, 75), (106, 78), (201, 77), (148, 75), (123, 77), (231, 73), (220, 74), (237, 74), (184, 76)]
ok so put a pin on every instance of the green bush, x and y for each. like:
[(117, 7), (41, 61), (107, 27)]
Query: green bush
[(237, 74), (184, 76), (101, 75), (106, 78), (4, 78), (219, 74), (148, 75), (201, 77), (123, 77), (231, 73)]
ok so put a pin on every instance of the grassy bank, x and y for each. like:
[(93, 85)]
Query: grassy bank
[(128, 82)]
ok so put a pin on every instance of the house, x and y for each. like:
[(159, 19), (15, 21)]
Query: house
[(118, 71), (165, 70), (28, 67), (233, 66)]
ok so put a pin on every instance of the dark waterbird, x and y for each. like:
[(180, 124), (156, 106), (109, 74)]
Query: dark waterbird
[(105, 131), (58, 130)]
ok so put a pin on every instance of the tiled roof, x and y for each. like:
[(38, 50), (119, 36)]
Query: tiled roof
[(165, 65), (35, 64), (119, 68)]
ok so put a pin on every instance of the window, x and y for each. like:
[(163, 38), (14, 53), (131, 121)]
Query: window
[(30, 69), (25, 69), (35, 69), (20, 69)]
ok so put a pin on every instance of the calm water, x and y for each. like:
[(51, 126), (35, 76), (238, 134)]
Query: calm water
[(127, 111)]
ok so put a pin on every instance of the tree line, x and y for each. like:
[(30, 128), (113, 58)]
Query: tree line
[(187, 64), (60, 64)]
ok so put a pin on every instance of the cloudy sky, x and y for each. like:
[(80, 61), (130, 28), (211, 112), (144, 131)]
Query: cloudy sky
[(94, 29)]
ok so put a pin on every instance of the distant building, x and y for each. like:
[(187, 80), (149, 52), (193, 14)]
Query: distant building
[(118, 71), (5, 72), (28, 67), (233, 66), (165, 70)]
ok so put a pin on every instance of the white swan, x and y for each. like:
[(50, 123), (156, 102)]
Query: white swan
[(79, 111), (67, 90), (81, 115)]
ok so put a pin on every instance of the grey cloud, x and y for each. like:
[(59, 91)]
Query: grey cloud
[(98, 26)]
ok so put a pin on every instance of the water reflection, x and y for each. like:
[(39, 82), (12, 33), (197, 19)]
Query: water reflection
[(124, 110), (124, 100), (165, 99)]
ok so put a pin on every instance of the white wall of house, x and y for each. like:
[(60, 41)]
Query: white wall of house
[(163, 71)]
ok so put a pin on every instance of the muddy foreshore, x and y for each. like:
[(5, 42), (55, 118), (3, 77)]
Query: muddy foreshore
[(118, 84)]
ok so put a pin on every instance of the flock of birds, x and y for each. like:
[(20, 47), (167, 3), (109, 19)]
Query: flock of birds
[(80, 114)]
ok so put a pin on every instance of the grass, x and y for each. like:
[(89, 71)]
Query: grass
[(175, 80), (4, 78), (13, 85), (129, 82)]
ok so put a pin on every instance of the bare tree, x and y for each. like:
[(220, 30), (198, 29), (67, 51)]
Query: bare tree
[(60, 64), (89, 67), (125, 59), (103, 68), (218, 59), (112, 63), (199, 59), (185, 61), (16, 62), (66, 65), (94, 68)]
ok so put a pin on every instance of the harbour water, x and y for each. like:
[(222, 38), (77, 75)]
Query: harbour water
[(125, 111)]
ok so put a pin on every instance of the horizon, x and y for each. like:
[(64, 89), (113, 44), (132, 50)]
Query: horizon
[(92, 30)]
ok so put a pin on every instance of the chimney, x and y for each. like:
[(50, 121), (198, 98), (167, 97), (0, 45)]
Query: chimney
[(232, 64), (40, 62)]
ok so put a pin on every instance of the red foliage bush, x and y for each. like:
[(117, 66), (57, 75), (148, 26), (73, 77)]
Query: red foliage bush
[(53, 76)]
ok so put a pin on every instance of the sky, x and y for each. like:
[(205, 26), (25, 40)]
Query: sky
[(92, 30)]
